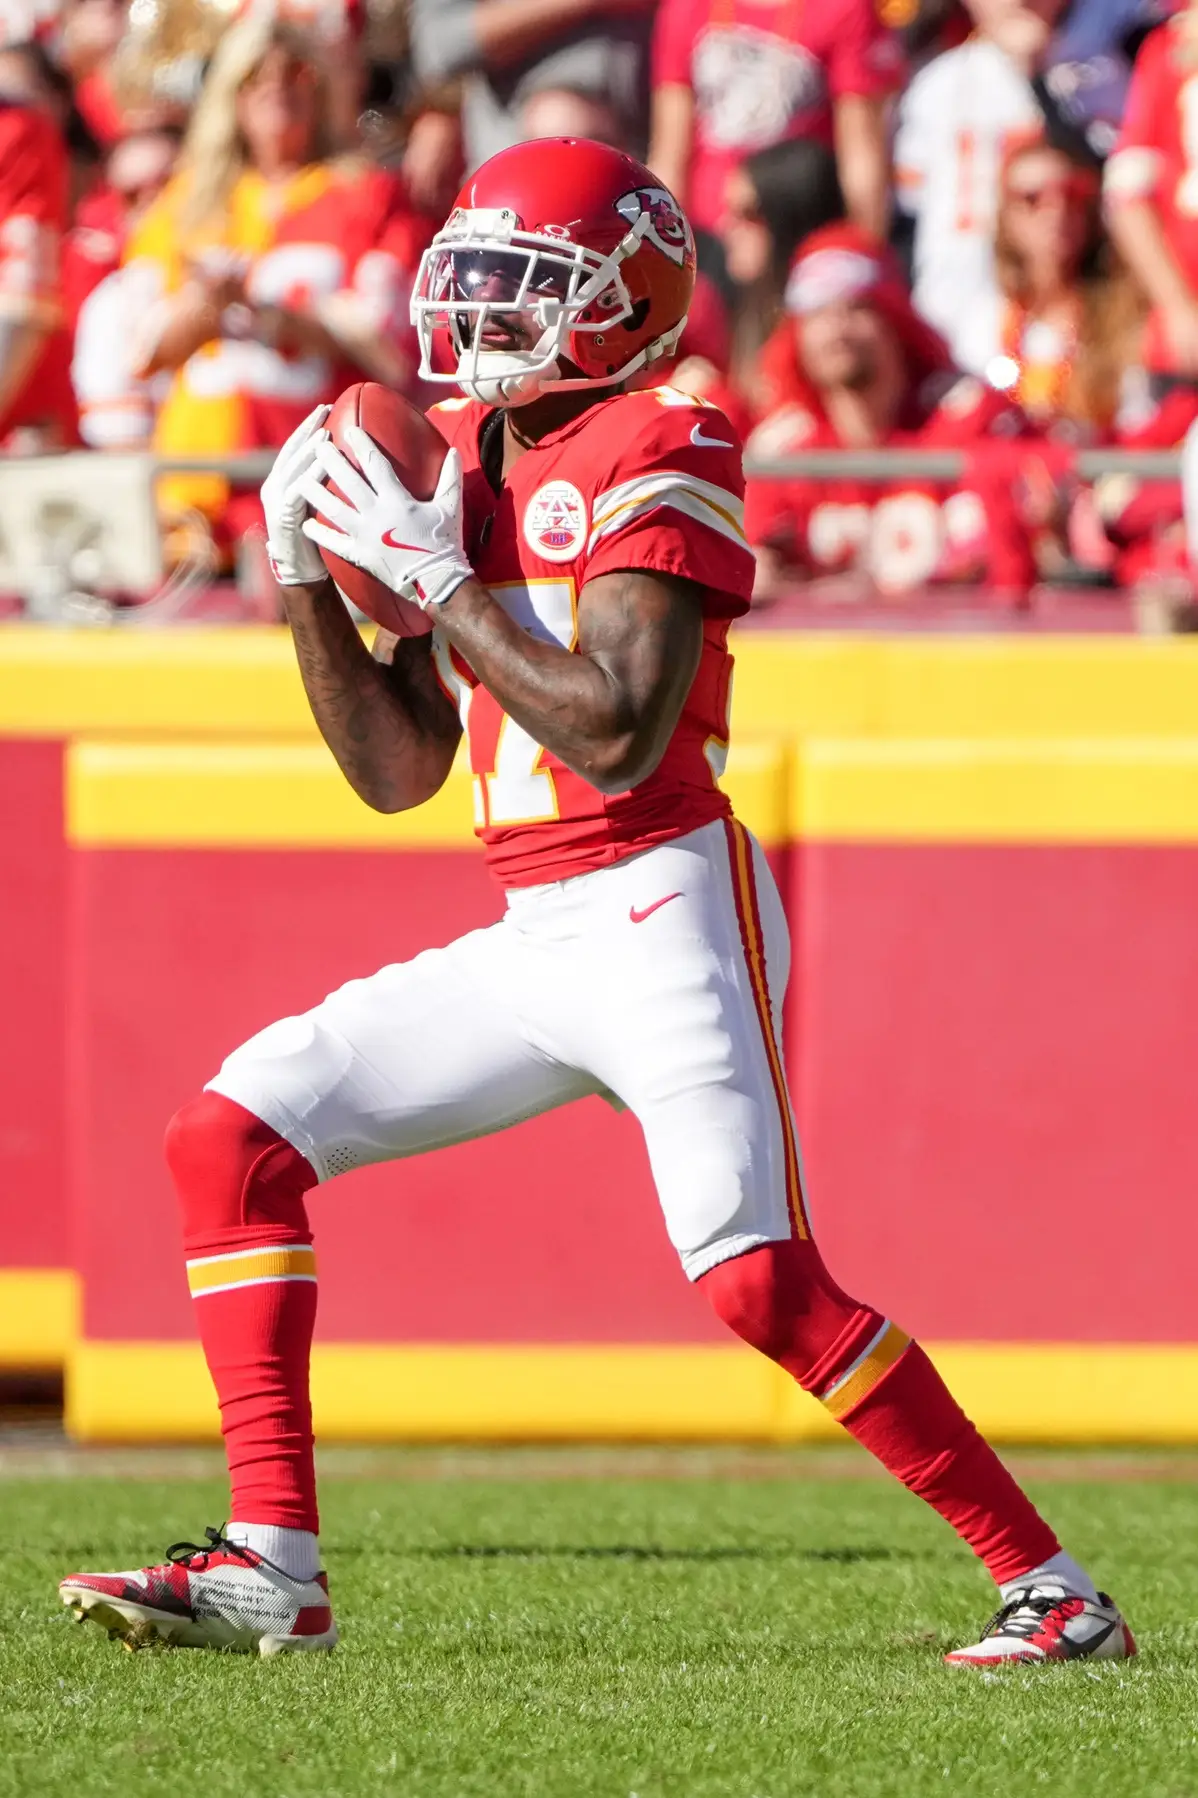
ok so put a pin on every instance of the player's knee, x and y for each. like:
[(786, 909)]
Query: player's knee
[(782, 1300), (231, 1169)]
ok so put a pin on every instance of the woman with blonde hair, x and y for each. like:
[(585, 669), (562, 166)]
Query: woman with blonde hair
[(282, 270), (1061, 326)]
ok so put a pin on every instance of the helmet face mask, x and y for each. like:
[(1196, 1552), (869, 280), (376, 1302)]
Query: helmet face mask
[(511, 301), (576, 277)]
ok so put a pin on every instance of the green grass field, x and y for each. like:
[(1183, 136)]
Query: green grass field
[(601, 1624)]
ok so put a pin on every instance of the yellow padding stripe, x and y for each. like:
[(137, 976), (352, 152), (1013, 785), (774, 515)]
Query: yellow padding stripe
[(39, 1317), (861, 1379), (242, 795), (172, 794), (1085, 1392), (957, 791), (216, 1273), (825, 684), (243, 681), (240, 681)]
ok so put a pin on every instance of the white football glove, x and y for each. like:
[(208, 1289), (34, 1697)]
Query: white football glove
[(294, 561), (414, 546)]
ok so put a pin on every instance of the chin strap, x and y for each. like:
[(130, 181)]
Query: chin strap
[(515, 389)]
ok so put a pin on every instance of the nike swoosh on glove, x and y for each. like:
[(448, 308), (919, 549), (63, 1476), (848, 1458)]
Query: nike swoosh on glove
[(414, 546), (294, 561)]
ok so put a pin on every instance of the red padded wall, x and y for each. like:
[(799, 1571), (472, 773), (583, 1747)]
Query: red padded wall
[(998, 1089), (549, 1232), (33, 882)]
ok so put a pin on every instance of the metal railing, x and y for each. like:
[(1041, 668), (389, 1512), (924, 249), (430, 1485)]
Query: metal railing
[(823, 464), (948, 465), (55, 509)]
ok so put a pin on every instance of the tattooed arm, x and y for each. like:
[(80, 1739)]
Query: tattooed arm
[(384, 714), (609, 711)]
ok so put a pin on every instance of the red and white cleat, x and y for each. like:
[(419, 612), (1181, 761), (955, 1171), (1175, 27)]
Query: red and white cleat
[(1045, 1623), (219, 1596)]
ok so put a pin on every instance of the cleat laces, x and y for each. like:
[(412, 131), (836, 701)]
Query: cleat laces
[(216, 1542), (1026, 1612)]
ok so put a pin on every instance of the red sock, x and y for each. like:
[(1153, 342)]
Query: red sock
[(881, 1386), (252, 1273)]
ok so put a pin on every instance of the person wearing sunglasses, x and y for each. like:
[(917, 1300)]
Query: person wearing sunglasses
[(1059, 327)]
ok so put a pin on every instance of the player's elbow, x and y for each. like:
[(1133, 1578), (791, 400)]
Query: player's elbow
[(621, 764), (390, 788)]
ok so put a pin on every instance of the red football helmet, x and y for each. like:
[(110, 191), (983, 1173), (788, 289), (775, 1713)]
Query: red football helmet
[(557, 251)]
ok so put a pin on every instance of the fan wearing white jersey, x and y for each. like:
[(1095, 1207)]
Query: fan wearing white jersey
[(956, 121)]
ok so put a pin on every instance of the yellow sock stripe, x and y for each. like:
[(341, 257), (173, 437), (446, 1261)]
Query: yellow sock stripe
[(861, 1378), (251, 1267), (745, 891)]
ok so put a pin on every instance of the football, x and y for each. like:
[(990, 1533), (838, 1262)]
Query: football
[(416, 450)]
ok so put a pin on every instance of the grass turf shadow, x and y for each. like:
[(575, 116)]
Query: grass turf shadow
[(620, 1551)]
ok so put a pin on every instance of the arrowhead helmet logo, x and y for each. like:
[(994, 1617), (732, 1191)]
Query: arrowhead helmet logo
[(667, 229)]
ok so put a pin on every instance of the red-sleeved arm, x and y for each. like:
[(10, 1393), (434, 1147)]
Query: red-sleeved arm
[(1141, 127), (1133, 169), (677, 25), (776, 514), (863, 56), (33, 203), (673, 501)]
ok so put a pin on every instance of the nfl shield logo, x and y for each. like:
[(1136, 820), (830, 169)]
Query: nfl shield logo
[(555, 522)]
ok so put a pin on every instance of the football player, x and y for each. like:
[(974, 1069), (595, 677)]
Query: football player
[(581, 560)]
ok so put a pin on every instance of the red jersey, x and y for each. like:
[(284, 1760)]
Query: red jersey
[(1144, 520), (1155, 158), (911, 532), (93, 247), (33, 208), (763, 72), (642, 480)]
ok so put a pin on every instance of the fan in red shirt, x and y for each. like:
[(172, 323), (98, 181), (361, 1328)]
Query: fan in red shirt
[(734, 76), (1144, 519), (1151, 188), (853, 367), (137, 169), (36, 404)]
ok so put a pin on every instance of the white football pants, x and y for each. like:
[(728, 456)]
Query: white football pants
[(657, 981)]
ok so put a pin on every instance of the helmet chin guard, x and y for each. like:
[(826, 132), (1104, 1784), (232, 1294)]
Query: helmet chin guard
[(529, 303)]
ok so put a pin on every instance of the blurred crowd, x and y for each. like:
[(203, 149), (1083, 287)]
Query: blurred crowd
[(921, 225)]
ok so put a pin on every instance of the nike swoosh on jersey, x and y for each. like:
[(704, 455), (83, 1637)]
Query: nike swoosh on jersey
[(701, 442), (393, 542), (638, 917)]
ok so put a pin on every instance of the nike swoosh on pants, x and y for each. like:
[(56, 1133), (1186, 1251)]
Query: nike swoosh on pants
[(638, 917)]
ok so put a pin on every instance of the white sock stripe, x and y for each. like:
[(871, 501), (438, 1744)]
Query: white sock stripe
[(848, 1373), (265, 1248)]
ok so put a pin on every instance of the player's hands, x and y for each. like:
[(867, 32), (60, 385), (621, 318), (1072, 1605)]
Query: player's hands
[(294, 561), (414, 546)]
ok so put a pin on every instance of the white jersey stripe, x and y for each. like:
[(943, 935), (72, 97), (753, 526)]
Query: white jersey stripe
[(689, 503), (662, 481), (702, 500)]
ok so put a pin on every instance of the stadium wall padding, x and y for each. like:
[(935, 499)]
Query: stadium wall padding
[(989, 852)]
